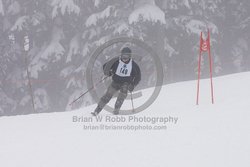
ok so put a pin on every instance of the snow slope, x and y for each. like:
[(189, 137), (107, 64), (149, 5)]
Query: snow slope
[(204, 136)]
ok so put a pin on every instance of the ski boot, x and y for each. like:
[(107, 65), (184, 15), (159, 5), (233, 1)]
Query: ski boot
[(116, 111), (94, 113), (97, 111)]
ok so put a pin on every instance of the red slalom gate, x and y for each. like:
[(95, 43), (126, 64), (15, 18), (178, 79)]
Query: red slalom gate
[(205, 47)]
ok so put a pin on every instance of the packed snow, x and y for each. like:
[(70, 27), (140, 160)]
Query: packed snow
[(206, 135)]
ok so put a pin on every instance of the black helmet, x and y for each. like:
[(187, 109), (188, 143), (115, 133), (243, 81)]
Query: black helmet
[(126, 54), (126, 50)]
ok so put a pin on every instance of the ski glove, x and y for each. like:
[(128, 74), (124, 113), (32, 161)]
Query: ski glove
[(108, 73), (131, 87)]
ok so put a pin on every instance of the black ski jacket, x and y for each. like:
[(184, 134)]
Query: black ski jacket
[(110, 67)]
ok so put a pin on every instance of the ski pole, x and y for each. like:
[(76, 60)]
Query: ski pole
[(89, 90), (131, 96)]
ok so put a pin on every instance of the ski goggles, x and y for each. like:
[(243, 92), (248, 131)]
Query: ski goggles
[(125, 57)]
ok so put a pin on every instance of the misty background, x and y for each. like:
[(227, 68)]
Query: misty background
[(63, 34)]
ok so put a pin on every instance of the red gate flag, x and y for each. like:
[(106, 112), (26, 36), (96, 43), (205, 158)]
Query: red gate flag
[(204, 44), (205, 47)]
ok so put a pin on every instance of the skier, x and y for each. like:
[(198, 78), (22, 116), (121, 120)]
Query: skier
[(125, 74)]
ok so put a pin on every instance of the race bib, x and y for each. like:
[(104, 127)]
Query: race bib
[(123, 69)]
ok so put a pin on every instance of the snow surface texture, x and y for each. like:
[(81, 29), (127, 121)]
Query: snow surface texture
[(206, 135), (1, 8), (66, 6), (92, 19), (147, 13)]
